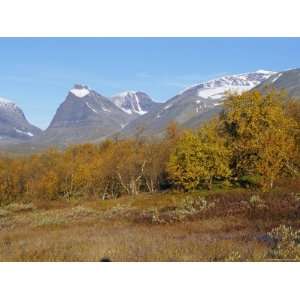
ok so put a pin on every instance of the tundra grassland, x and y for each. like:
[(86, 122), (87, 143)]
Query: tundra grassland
[(217, 225)]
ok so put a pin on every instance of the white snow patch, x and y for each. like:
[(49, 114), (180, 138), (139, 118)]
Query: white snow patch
[(128, 111), (24, 132), (168, 106), (276, 77), (8, 104), (216, 88), (5, 101), (218, 92), (106, 109), (264, 72), (91, 108), (217, 104), (139, 111), (129, 102), (80, 93)]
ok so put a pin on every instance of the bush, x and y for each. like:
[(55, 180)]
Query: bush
[(234, 256), (286, 242), (249, 181), (197, 204)]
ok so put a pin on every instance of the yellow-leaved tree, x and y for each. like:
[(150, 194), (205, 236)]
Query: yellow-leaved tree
[(199, 158), (260, 134)]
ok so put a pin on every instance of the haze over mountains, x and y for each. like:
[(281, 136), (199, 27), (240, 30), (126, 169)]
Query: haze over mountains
[(87, 116)]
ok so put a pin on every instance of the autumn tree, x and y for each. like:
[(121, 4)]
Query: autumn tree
[(156, 155), (199, 158), (260, 135), (293, 111)]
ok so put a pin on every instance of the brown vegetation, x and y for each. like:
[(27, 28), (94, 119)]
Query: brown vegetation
[(218, 193), (203, 226)]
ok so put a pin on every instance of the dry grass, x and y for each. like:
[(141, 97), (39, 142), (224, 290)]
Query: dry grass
[(216, 226)]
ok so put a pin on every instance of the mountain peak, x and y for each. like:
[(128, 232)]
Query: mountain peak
[(127, 94), (133, 102), (80, 91), (4, 100), (8, 104)]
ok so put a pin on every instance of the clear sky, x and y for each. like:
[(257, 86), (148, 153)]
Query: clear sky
[(38, 72)]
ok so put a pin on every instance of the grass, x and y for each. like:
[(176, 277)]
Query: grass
[(202, 226)]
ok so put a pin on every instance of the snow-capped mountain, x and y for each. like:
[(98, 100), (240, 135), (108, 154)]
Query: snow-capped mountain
[(134, 103), (216, 88), (197, 103), (84, 115), (13, 123)]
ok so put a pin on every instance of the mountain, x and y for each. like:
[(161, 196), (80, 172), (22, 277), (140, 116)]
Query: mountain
[(196, 103), (134, 103), (14, 126), (288, 80), (85, 115)]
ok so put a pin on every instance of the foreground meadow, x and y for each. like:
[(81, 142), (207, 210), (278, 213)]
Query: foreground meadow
[(225, 225)]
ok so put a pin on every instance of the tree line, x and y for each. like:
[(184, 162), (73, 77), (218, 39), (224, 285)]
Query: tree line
[(254, 141)]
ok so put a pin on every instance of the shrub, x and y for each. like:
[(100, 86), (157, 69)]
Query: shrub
[(234, 256), (249, 181), (286, 242), (20, 207), (256, 202), (196, 204)]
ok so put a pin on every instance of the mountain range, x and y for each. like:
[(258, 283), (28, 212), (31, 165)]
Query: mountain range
[(196, 103), (87, 116)]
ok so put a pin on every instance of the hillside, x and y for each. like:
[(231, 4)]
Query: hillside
[(288, 81), (195, 104), (83, 116), (14, 127)]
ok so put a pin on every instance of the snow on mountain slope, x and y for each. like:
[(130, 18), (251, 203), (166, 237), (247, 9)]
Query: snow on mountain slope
[(7, 104), (196, 103), (87, 96), (216, 89), (84, 115), (13, 123), (4, 101), (132, 102)]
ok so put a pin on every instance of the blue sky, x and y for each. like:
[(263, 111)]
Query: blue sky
[(38, 72)]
